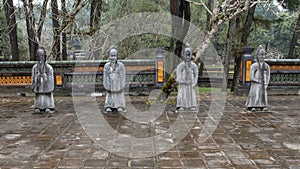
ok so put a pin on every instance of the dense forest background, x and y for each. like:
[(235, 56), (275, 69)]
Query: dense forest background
[(274, 23), (65, 27)]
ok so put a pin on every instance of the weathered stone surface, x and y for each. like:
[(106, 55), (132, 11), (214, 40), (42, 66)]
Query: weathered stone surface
[(240, 140)]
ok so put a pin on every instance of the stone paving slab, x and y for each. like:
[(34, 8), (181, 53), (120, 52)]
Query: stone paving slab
[(236, 140)]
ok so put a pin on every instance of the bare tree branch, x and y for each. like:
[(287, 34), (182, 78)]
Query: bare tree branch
[(221, 14), (201, 4), (42, 19)]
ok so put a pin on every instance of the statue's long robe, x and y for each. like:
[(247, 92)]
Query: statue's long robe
[(43, 87), (186, 73), (114, 82), (259, 76)]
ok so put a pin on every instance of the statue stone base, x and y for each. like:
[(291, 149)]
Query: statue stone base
[(256, 110), (114, 110), (193, 110)]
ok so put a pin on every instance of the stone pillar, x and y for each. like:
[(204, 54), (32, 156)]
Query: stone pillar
[(246, 62)]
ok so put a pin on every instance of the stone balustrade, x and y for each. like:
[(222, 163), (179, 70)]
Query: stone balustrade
[(285, 74)]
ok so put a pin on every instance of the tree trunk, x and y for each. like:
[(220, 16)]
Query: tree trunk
[(247, 26), (228, 54), (30, 26), (56, 34), (172, 12), (64, 35), (208, 27), (180, 26), (294, 40), (244, 42), (208, 16), (64, 47), (42, 19), (206, 41), (176, 30), (95, 14), (12, 28)]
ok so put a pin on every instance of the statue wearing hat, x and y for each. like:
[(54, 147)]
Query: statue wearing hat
[(260, 77)]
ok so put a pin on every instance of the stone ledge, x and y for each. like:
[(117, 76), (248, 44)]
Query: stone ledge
[(272, 90)]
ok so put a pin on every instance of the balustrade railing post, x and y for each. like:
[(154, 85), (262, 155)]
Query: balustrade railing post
[(246, 62), (159, 67)]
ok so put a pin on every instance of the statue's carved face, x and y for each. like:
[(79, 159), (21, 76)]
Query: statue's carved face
[(261, 54), (260, 58), (41, 55), (187, 54), (113, 55)]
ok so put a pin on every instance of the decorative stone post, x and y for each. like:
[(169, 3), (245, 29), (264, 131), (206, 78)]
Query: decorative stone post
[(160, 67), (246, 62)]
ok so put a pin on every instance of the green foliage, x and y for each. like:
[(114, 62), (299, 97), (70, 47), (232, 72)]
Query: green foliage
[(220, 40), (141, 46), (292, 5), (275, 30), (22, 44), (5, 49), (267, 12), (137, 46), (126, 7), (198, 16)]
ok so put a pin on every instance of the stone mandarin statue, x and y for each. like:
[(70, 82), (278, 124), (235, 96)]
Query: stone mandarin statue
[(260, 77), (187, 78), (114, 82), (42, 84)]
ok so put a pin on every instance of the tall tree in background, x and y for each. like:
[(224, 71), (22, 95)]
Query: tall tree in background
[(247, 25), (228, 54), (294, 40), (221, 12), (293, 5), (208, 16), (246, 29), (34, 36), (64, 35), (95, 14), (42, 20), (56, 33), (30, 26), (68, 22), (208, 19), (12, 28), (181, 9)]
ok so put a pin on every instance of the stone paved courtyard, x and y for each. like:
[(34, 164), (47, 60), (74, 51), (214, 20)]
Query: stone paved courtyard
[(233, 140)]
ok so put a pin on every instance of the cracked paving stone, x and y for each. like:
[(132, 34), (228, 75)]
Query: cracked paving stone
[(172, 163), (269, 141), (94, 163), (218, 163), (65, 163)]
